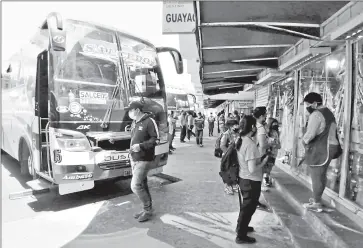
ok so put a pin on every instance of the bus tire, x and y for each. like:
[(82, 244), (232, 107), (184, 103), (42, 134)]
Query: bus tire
[(26, 160)]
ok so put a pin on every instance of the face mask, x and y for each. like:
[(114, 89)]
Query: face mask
[(275, 127), (132, 114), (310, 109)]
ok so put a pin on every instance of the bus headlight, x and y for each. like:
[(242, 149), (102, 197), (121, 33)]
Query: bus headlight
[(72, 141)]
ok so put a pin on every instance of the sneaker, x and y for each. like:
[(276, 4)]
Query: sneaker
[(245, 240), (314, 206), (267, 181), (228, 190), (145, 216), (201, 145), (235, 188), (261, 206), (137, 215)]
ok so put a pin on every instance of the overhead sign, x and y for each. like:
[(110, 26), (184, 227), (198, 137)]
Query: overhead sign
[(178, 17), (245, 104)]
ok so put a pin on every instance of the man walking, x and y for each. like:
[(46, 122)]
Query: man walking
[(183, 126), (320, 137), (144, 134), (190, 124), (172, 128), (211, 121), (199, 126)]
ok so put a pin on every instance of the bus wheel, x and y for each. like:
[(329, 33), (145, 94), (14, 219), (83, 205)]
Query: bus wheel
[(26, 161)]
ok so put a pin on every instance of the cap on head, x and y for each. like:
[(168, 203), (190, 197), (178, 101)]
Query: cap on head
[(313, 97), (135, 105)]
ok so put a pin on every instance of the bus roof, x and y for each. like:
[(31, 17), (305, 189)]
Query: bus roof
[(111, 29)]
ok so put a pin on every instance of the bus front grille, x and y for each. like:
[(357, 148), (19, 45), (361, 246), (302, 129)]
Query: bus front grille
[(118, 145), (114, 165)]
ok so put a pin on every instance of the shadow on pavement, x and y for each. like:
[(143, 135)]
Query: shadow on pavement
[(13, 166)]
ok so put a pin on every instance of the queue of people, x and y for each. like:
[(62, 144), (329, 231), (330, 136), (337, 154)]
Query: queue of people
[(249, 143)]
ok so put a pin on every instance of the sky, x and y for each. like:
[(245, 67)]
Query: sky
[(143, 19)]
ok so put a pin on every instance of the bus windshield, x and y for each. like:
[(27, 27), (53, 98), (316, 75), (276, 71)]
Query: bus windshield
[(92, 56), (102, 70)]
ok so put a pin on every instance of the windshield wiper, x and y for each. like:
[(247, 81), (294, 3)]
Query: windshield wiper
[(121, 78)]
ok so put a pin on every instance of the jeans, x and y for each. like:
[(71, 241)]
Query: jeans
[(139, 185), (211, 127), (171, 138), (190, 132), (183, 133), (318, 180), (251, 191), (199, 137)]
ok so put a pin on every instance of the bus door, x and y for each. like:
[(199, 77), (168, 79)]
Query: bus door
[(41, 124)]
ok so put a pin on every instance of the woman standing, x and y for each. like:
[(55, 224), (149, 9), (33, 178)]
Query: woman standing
[(250, 177)]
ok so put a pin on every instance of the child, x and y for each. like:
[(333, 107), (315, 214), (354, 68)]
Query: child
[(274, 146), (228, 137)]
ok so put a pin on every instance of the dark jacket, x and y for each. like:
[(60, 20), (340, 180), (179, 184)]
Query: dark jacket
[(144, 132)]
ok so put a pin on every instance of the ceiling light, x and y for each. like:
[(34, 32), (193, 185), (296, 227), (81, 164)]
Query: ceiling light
[(332, 63)]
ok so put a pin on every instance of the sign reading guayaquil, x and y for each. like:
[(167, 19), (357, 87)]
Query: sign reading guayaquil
[(178, 17)]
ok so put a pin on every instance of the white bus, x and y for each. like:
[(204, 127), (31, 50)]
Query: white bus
[(63, 99)]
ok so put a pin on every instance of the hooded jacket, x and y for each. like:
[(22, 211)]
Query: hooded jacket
[(144, 132)]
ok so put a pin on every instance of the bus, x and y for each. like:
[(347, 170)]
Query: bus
[(64, 96)]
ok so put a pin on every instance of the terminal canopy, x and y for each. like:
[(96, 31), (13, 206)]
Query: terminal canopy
[(238, 40)]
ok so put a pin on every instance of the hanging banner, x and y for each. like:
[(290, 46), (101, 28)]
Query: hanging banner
[(178, 17)]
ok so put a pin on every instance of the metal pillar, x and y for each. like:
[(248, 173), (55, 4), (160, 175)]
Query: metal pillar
[(296, 119), (348, 102)]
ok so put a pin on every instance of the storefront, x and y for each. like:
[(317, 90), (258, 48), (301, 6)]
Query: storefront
[(281, 107), (338, 77)]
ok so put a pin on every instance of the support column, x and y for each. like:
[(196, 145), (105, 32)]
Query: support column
[(347, 122), (296, 120)]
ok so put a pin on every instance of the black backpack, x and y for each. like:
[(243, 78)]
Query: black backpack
[(217, 150), (229, 170)]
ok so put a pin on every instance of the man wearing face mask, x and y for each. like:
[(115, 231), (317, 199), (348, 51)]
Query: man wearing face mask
[(144, 135), (321, 132), (260, 114)]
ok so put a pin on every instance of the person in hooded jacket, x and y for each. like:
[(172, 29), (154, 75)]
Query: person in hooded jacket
[(144, 136), (228, 137)]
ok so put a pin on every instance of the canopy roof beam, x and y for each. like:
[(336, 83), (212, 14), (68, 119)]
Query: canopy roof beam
[(217, 72), (247, 46), (242, 24)]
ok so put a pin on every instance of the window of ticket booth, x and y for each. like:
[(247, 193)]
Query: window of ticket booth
[(325, 77), (354, 190), (281, 107)]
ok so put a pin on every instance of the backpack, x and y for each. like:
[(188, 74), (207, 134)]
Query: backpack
[(229, 169), (217, 150)]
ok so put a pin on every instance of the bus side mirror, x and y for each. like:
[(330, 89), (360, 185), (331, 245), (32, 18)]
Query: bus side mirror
[(57, 32), (178, 60)]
